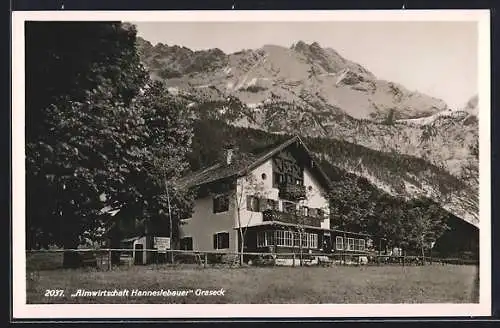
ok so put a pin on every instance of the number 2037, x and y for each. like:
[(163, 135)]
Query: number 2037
[(54, 292)]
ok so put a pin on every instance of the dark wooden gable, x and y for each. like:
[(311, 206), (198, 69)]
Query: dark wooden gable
[(289, 164), (287, 167)]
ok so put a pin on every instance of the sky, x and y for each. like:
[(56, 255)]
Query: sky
[(437, 58)]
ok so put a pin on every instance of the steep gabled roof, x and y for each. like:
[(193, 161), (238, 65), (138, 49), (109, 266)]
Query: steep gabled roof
[(242, 165)]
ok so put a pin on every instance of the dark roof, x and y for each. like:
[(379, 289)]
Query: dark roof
[(242, 164)]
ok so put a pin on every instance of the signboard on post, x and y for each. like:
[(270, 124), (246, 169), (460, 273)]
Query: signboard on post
[(162, 244)]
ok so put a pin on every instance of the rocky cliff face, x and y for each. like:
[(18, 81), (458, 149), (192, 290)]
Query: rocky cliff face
[(315, 92), (290, 74)]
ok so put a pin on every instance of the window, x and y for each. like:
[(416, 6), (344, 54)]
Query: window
[(289, 207), (296, 239), (221, 240), (265, 238), (350, 244), (253, 204), (280, 237), (221, 203), (288, 239), (304, 210), (305, 239), (361, 245), (279, 179), (320, 213), (339, 243), (313, 212), (186, 244), (261, 239), (264, 176), (313, 240)]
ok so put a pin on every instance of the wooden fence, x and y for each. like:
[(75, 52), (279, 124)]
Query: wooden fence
[(107, 258)]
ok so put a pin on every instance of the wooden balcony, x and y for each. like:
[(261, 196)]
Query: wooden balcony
[(273, 215), (292, 192)]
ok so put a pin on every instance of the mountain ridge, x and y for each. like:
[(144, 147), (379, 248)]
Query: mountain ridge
[(302, 63), (315, 92)]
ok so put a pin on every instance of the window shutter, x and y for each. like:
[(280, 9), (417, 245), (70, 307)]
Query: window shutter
[(225, 240), (215, 241), (262, 204)]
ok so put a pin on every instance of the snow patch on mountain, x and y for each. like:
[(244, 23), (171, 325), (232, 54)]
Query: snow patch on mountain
[(452, 114), (342, 76)]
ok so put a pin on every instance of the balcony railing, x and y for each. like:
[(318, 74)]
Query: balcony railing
[(273, 215), (292, 191)]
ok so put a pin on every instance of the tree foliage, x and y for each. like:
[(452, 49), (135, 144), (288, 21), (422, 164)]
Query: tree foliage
[(352, 203), (99, 132)]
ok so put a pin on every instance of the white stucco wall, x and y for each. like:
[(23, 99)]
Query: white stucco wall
[(253, 184), (204, 224), (315, 197)]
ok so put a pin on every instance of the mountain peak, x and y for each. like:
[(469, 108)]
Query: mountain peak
[(300, 45), (315, 45), (307, 73)]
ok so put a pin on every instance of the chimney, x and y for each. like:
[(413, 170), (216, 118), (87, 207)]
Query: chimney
[(229, 153)]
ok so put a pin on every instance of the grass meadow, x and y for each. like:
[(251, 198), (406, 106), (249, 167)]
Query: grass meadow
[(249, 285)]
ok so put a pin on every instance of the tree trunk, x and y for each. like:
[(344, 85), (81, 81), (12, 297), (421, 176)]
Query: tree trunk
[(423, 254), (300, 246), (242, 244)]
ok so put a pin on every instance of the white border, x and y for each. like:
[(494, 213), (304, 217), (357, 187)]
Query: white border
[(22, 310)]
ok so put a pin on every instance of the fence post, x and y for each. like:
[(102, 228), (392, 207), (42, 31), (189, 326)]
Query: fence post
[(109, 259), (205, 260)]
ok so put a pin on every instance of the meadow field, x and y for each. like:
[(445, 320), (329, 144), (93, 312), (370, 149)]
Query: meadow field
[(247, 285)]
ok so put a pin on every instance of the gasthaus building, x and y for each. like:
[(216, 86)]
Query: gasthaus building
[(276, 197)]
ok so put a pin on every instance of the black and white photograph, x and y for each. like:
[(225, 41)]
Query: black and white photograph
[(259, 164)]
